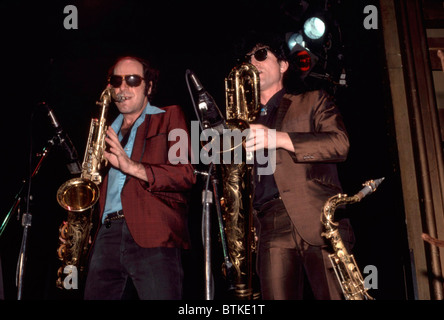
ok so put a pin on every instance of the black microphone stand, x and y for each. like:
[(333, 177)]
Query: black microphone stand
[(26, 218)]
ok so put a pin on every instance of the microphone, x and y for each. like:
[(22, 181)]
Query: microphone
[(211, 117), (65, 143)]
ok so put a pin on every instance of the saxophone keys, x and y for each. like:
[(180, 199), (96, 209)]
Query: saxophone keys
[(61, 251), (63, 231)]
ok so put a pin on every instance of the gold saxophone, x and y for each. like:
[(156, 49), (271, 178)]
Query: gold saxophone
[(242, 104), (79, 195), (344, 264)]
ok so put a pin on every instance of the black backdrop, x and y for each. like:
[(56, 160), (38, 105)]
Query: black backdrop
[(43, 61)]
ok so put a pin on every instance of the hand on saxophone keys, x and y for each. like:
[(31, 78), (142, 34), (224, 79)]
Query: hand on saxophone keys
[(118, 158), (115, 153)]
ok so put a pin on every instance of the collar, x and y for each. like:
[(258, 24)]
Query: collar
[(149, 109), (275, 100), (273, 103)]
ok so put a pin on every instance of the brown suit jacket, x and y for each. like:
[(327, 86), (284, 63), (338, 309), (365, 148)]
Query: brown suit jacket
[(308, 177), (156, 211)]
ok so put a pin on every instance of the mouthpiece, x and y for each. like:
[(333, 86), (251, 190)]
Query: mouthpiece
[(120, 98), (370, 187)]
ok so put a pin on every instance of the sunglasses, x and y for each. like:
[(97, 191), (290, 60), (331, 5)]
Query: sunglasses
[(259, 55), (132, 80)]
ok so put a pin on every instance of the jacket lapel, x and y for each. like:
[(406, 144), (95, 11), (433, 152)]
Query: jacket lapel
[(139, 143), (281, 112)]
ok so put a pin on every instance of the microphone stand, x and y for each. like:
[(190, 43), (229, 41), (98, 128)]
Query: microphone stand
[(208, 196), (26, 219), (207, 200)]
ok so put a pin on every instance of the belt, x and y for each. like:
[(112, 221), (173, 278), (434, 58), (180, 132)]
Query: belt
[(112, 217)]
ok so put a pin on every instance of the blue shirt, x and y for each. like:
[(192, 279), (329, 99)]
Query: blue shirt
[(116, 178)]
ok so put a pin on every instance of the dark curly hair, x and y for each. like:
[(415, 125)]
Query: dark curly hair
[(273, 41), (150, 74), (277, 44)]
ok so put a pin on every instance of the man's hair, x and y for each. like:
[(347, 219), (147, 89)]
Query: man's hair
[(277, 44), (273, 41), (149, 74)]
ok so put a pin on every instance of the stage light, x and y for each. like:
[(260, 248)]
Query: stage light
[(316, 47), (314, 28), (303, 60), (294, 39)]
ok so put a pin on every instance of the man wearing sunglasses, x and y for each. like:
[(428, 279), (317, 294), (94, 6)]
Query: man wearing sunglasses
[(309, 137), (143, 203)]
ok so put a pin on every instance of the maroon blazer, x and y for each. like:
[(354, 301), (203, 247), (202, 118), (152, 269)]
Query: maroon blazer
[(308, 177), (156, 211)]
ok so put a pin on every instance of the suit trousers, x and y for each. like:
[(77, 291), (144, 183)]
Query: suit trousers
[(118, 264), (286, 263)]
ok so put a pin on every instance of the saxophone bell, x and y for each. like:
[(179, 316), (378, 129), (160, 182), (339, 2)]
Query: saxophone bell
[(78, 194)]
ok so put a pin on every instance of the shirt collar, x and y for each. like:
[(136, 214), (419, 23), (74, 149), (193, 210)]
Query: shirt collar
[(149, 109), (275, 100)]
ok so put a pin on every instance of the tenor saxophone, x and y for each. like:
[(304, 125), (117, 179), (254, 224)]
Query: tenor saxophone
[(79, 195), (242, 104), (344, 264)]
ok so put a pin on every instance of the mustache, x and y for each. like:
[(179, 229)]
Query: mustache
[(121, 96)]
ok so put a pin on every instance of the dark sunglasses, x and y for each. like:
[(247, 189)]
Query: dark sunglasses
[(259, 55), (132, 80)]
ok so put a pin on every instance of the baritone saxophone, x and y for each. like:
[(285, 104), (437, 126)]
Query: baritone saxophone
[(242, 105), (79, 195), (344, 264)]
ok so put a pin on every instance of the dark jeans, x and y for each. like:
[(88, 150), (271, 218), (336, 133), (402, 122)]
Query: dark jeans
[(285, 262), (116, 261)]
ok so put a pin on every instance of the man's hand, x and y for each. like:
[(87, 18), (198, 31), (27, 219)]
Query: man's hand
[(118, 158), (262, 137), (116, 155)]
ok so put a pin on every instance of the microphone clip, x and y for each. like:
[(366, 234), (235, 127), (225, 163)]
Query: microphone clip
[(208, 112)]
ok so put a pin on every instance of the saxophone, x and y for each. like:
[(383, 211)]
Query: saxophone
[(242, 104), (344, 264), (79, 195)]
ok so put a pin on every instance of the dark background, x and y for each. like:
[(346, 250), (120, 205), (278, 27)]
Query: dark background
[(42, 61)]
